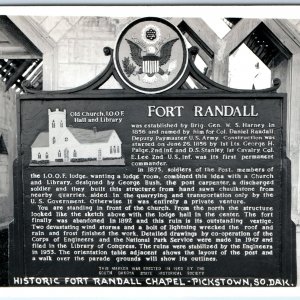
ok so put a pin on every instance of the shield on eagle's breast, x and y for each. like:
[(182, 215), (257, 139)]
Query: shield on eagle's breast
[(150, 64), (150, 55)]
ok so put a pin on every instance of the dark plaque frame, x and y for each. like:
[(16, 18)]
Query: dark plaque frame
[(208, 90)]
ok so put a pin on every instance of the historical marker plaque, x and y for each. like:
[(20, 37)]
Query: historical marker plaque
[(183, 188)]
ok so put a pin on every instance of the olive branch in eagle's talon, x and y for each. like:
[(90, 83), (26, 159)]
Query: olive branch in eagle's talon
[(129, 68)]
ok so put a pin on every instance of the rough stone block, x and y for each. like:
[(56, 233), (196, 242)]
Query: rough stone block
[(73, 75), (93, 28), (8, 129), (3, 161), (63, 52), (4, 184), (38, 19), (3, 207), (60, 30), (50, 22), (73, 19), (87, 33), (88, 51)]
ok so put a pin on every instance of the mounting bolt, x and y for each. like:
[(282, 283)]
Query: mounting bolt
[(107, 51)]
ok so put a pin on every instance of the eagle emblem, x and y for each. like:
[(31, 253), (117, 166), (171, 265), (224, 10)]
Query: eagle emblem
[(149, 57)]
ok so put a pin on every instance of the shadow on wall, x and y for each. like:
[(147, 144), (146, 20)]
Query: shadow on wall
[(4, 257)]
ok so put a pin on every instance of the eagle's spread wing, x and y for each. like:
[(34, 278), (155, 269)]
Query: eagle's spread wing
[(165, 51), (136, 53)]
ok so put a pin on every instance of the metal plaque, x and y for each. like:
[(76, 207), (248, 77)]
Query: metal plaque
[(181, 188)]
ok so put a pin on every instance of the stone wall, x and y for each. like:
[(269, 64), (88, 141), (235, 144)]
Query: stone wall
[(8, 129), (80, 55), (78, 48)]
